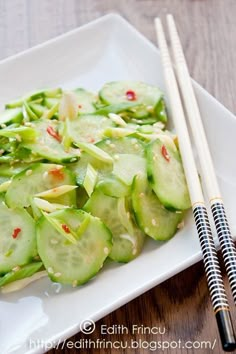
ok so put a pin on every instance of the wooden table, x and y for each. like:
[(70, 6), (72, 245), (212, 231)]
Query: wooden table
[(208, 30)]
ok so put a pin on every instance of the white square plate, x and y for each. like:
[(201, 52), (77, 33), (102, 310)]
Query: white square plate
[(105, 50)]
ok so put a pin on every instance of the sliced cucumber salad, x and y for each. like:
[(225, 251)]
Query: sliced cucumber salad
[(84, 177)]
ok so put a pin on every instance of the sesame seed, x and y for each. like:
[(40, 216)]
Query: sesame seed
[(3, 125), (178, 212), (1, 151), (136, 146), (45, 175), (134, 251), (73, 159), (59, 167), (141, 195), (106, 250), (128, 214), (112, 146), (108, 142), (28, 124), (53, 241), (28, 172), (154, 223), (74, 283), (180, 225), (116, 157), (15, 269), (133, 141), (154, 158), (50, 270), (57, 274), (146, 230)]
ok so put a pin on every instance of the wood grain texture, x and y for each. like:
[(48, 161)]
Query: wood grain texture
[(208, 31)]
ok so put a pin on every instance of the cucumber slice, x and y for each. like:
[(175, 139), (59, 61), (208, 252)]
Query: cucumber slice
[(125, 145), (13, 115), (141, 113), (25, 156), (18, 242), (116, 108), (48, 146), (126, 166), (151, 216), (112, 186), (86, 101), (70, 263), (88, 128), (126, 246), (145, 96), (39, 178), (166, 174), (118, 92), (79, 168), (11, 170), (20, 273)]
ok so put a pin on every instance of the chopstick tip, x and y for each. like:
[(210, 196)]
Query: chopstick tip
[(170, 19), (170, 16)]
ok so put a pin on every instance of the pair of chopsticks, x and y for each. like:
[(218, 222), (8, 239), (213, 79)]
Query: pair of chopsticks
[(210, 259)]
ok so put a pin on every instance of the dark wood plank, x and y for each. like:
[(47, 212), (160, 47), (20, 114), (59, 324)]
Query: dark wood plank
[(207, 28)]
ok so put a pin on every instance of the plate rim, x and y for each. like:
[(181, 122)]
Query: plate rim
[(70, 331)]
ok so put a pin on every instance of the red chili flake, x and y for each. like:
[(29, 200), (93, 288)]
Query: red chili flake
[(16, 232), (65, 228), (57, 173), (91, 140), (131, 96), (79, 105), (53, 133), (165, 153)]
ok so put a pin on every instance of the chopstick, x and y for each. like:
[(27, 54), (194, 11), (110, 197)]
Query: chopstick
[(210, 259), (217, 206)]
